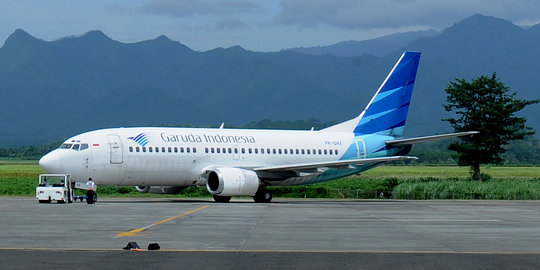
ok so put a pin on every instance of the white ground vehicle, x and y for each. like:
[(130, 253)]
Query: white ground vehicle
[(54, 187)]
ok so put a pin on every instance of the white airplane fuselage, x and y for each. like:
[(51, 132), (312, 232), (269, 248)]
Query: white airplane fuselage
[(178, 156)]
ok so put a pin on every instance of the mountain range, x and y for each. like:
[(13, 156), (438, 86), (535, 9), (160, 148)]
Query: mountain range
[(51, 90)]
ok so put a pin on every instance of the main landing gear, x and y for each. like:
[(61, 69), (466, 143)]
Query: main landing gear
[(221, 199), (263, 196)]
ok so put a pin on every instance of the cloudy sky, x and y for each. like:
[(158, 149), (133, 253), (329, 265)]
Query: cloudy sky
[(267, 25)]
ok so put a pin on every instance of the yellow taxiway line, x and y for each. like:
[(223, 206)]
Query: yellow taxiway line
[(136, 231)]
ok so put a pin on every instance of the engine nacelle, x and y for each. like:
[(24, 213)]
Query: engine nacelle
[(232, 182), (159, 189)]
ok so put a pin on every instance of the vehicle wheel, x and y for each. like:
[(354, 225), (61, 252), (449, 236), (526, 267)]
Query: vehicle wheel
[(263, 196), (222, 199)]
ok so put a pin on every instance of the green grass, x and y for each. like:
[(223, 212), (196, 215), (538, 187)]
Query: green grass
[(19, 178)]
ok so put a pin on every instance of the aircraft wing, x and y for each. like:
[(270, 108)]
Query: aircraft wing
[(407, 141), (329, 164)]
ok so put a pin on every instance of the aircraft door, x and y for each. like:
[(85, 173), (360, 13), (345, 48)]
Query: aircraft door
[(360, 148), (115, 145)]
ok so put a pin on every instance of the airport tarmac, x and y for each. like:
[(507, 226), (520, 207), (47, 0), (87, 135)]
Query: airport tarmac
[(302, 233)]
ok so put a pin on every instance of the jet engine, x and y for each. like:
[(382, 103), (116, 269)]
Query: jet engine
[(225, 181), (159, 189)]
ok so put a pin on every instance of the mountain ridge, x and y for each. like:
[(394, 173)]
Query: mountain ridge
[(54, 89)]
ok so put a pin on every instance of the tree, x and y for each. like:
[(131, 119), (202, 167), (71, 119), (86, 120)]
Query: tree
[(484, 105)]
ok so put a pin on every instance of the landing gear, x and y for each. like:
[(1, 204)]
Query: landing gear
[(222, 199), (263, 196)]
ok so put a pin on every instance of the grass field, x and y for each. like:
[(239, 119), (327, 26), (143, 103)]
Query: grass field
[(400, 182)]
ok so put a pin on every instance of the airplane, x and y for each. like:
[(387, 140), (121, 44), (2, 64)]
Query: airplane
[(244, 162)]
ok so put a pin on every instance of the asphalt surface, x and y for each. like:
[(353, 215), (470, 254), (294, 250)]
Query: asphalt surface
[(285, 234)]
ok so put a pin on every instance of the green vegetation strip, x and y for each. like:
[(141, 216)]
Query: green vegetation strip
[(19, 178)]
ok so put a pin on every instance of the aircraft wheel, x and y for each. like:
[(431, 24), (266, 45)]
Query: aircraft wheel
[(222, 199), (44, 201), (263, 196)]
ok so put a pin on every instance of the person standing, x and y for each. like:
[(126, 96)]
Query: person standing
[(91, 196)]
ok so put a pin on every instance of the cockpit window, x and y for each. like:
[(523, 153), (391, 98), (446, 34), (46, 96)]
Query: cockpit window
[(66, 146), (74, 146)]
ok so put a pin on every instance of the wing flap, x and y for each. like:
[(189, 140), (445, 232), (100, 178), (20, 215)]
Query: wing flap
[(330, 164)]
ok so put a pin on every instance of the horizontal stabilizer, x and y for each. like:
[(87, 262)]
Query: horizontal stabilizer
[(330, 164), (409, 141)]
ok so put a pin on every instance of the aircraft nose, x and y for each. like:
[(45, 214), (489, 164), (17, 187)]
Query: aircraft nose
[(51, 163)]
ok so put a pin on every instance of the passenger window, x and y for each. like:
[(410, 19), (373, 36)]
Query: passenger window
[(314, 151), (230, 150), (131, 149), (182, 150), (335, 151), (84, 146), (297, 152), (194, 149), (212, 150), (284, 151), (218, 150), (137, 149), (303, 151), (236, 150), (279, 151), (163, 149), (249, 150), (320, 153), (262, 150), (256, 150), (187, 149), (150, 149), (326, 153), (268, 151), (144, 149), (176, 149), (308, 152), (243, 150)]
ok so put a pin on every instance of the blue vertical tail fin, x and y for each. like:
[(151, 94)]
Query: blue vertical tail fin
[(386, 113)]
